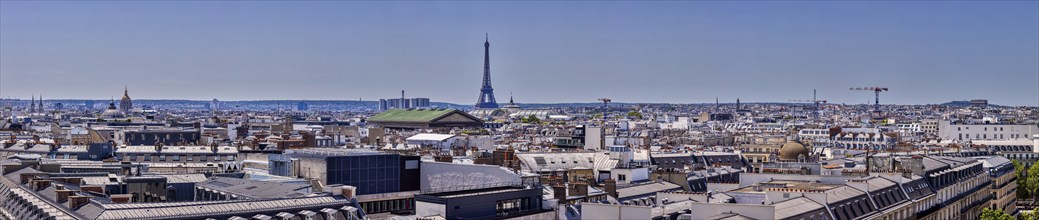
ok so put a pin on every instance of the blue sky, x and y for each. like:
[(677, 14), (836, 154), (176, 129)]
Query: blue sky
[(679, 52)]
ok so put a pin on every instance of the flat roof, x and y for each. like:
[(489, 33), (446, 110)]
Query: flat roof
[(430, 137)]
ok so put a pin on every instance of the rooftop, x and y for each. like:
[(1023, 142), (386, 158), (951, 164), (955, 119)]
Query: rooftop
[(411, 115)]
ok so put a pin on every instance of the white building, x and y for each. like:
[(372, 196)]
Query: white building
[(965, 131)]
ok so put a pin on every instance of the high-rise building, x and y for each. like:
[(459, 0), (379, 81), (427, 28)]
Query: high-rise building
[(387, 104), (486, 99), (419, 102)]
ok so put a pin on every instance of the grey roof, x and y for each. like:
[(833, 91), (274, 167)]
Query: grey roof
[(795, 206), (256, 189), (331, 152), (185, 178), (931, 164), (994, 161), (644, 189), (539, 162), (204, 209), (843, 193)]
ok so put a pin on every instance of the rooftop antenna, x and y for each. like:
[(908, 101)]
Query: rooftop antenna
[(602, 134)]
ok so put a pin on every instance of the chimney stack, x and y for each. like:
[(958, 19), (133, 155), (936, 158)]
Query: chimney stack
[(611, 187), (77, 201), (348, 191), (121, 198), (63, 195), (578, 189), (559, 192), (40, 184)]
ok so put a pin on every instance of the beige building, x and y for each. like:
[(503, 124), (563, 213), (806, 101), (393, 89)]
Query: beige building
[(1004, 183)]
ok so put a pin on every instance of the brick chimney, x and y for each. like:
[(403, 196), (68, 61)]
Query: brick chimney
[(27, 177), (77, 201), (40, 184), (348, 191), (578, 189), (443, 158), (559, 192), (611, 187), (93, 189), (121, 198), (63, 195), (916, 164)]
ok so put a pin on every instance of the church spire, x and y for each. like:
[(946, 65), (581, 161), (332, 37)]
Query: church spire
[(32, 104)]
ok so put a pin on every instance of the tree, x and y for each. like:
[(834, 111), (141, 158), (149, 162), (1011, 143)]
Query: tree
[(531, 119), (1033, 215), (995, 214), (1032, 182), (635, 114), (1022, 177)]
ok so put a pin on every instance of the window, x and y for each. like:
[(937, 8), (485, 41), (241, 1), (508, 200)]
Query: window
[(622, 177), (512, 207)]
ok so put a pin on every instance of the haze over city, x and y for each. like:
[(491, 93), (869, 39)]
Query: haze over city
[(541, 52), (519, 110)]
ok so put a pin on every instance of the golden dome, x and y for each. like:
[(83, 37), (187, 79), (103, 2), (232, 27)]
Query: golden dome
[(792, 150)]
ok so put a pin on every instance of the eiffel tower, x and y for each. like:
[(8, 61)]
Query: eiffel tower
[(486, 99)]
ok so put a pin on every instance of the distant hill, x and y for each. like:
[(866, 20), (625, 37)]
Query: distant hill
[(964, 104)]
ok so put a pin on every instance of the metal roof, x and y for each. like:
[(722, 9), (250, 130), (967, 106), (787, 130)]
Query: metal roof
[(795, 206), (411, 115), (430, 137)]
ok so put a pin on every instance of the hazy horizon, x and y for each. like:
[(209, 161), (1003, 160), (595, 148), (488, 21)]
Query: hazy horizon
[(542, 52)]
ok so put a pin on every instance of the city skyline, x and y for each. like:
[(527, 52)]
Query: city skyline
[(662, 52)]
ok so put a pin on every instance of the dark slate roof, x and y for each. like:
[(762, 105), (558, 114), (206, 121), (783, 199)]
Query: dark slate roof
[(256, 189)]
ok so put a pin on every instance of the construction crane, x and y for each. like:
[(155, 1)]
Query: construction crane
[(604, 102), (814, 100), (876, 92)]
